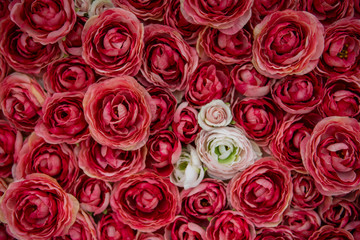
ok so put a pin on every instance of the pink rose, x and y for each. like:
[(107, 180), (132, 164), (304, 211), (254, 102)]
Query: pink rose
[(62, 119), (182, 228), (262, 192), (230, 225), (99, 6), (249, 82), (149, 236), (109, 164), (11, 141), (113, 43), (168, 60), (37, 208), (164, 149), (110, 227), (228, 16), (330, 155), (21, 52), (145, 201), (215, 114), (69, 74), (93, 194), (287, 43), (354, 229), (57, 161), (21, 99), (4, 67), (330, 233), (46, 22), (185, 124), (278, 233), (119, 113), (72, 44)]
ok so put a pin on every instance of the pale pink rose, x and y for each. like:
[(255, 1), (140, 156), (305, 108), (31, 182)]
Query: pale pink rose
[(214, 114), (182, 228), (99, 6), (82, 7)]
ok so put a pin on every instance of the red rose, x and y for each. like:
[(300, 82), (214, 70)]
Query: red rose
[(278, 233), (149, 236), (37, 208), (4, 234), (110, 227), (330, 233), (118, 111), (262, 192), (185, 124), (354, 229), (182, 228), (72, 44), (145, 201), (113, 43), (4, 9)]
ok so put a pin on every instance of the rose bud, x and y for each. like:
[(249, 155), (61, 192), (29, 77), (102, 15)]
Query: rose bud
[(168, 60), (330, 233), (249, 82), (342, 97), (174, 18), (226, 151), (262, 192), (93, 194), (165, 103), (341, 52), (72, 44), (354, 229), (337, 212), (298, 94), (110, 227), (21, 99), (109, 164), (82, 7), (229, 16), (99, 6), (330, 155), (301, 223), (285, 146), (57, 161), (224, 48), (164, 149), (149, 236), (185, 124), (4, 67), (204, 201), (46, 22), (287, 43), (34, 206), (113, 43), (213, 115), (21, 52), (119, 113), (230, 225), (62, 119), (188, 171), (259, 118), (69, 74), (306, 195), (144, 9), (145, 201), (182, 228), (11, 141), (83, 228), (278, 233)]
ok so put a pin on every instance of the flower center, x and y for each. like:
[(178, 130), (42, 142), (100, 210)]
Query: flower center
[(344, 52)]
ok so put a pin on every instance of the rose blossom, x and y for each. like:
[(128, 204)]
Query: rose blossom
[(228, 16), (113, 42), (248, 81), (118, 111), (286, 43), (69, 74), (188, 171), (99, 6), (93, 194), (164, 149), (204, 201), (144, 9), (260, 118), (185, 124), (262, 192), (82, 7), (306, 195), (4, 68), (330, 155), (230, 225), (109, 164), (329, 232), (57, 161), (145, 201), (72, 44), (149, 236), (62, 119), (165, 103), (224, 48), (37, 208), (21, 52), (168, 60), (279, 233), (110, 227), (11, 141), (21, 99), (226, 151), (210, 81), (45, 21), (214, 114), (182, 228)]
